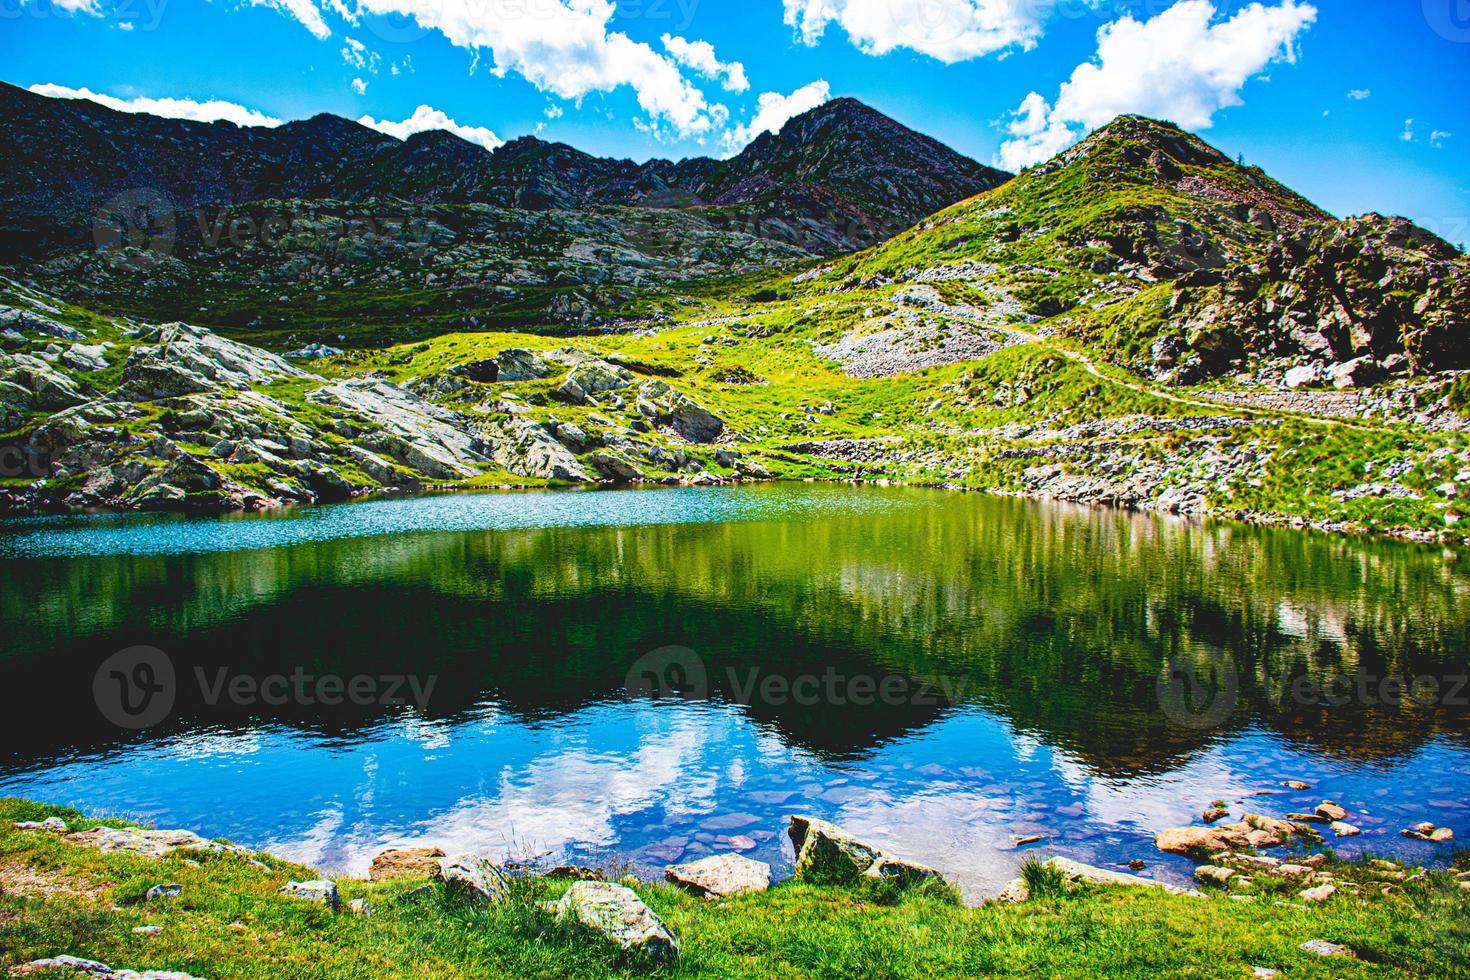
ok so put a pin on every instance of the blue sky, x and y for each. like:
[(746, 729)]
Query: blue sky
[(1361, 106)]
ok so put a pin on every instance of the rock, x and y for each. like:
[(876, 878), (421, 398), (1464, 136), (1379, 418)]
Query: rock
[(12, 318), (164, 891), (188, 360), (619, 914), (827, 854), (526, 448), (1079, 873), (147, 930), (1441, 835), (1342, 829), (1297, 784), (1319, 894), (520, 364), (1014, 893), (1023, 840), (476, 879), (48, 389), (414, 432), (1215, 813), (589, 379), (1357, 373), (1324, 948), (1293, 870), (86, 357), (615, 467), (721, 876), (574, 872), (148, 843), (406, 862), (666, 406), (93, 968), (359, 906), (1330, 811), (1137, 864), (1306, 376), (54, 824), (322, 891), (1190, 841), (313, 351), (1214, 874)]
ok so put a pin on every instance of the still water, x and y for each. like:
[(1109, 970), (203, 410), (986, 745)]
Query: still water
[(651, 676)]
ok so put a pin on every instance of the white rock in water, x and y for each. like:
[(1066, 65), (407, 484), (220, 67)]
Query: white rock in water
[(619, 914), (721, 875)]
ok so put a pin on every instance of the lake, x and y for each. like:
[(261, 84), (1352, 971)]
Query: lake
[(648, 676)]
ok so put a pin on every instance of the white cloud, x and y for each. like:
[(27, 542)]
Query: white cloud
[(1437, 138), (359, 86), (1359, 94), (427, 118), (91, 7), (304, 11), (700, 56), (357, 55), (1180, 65), (946, 30), (774, 109), (564, 47), (209, 111), (1408, 134)]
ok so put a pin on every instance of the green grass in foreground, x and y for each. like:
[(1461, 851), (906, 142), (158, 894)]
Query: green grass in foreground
[(57, 898)]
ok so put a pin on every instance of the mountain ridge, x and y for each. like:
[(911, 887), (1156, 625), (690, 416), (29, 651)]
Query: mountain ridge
[(72, 156)]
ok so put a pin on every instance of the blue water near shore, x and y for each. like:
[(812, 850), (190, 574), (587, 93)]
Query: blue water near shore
[(652, 676)]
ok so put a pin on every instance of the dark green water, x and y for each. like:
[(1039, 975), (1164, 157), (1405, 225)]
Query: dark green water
[(937, 671)]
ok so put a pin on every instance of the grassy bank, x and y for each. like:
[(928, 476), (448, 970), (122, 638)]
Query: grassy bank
[(60, 898)]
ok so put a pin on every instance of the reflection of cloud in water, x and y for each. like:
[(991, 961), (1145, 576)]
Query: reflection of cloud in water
[(571, 795)]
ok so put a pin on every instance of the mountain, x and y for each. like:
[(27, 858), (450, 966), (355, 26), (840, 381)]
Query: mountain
[(1163, 255), (837, 178)]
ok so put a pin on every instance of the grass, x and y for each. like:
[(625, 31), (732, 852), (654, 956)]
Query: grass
[(229, 922)]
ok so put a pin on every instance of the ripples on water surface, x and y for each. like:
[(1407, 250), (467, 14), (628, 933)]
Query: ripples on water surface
[(1025, 643)]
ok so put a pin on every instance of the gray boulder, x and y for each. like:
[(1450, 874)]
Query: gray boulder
[(474, 878), (667, 406), (619, 914), (721, 876), (321, 891), (827, 854)]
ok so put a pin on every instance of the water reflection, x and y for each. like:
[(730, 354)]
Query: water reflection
[(997, 666)]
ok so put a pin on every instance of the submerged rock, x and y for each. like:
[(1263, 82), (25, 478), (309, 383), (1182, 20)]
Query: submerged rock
[(618, 913)]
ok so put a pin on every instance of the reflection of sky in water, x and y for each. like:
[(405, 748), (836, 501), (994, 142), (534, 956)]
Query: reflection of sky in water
[(661, 781)]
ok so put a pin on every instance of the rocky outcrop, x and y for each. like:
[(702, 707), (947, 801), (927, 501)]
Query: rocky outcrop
[(665, 406), (721, 876), (95, 968), (527, 448), (148, 843), (405, 427), (591, 381), (827, 854), (619, 914), (186, 360)]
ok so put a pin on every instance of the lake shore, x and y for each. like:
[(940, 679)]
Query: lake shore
[(228, 912)]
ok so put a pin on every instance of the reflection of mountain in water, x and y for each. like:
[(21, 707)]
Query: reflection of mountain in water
[(1059, 619)]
